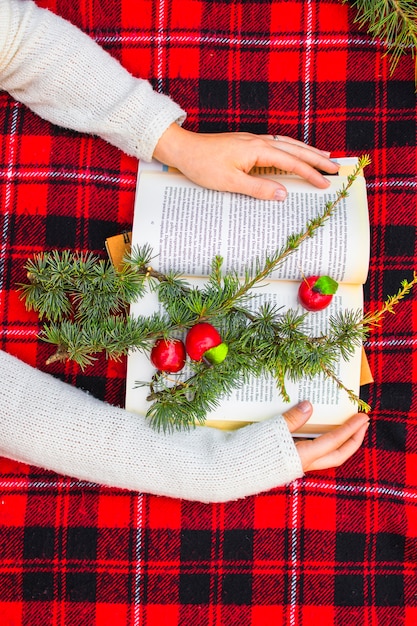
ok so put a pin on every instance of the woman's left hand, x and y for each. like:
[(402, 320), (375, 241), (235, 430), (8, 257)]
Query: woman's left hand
[(331, 449), (223, 161)]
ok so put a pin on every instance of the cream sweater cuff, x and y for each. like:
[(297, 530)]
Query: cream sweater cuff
[(47, 423)]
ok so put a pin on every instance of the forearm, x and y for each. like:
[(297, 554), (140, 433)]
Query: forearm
[(66, 78), (47, 423)]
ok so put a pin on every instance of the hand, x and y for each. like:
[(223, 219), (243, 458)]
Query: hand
[(331, 449), (223, 161)]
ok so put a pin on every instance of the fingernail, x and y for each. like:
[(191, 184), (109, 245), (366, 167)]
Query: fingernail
[(304, 406), (280, 194)]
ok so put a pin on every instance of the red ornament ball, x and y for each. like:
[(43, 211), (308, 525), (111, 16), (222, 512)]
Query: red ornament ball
[(316, 292), (203, 340), (168, 355)]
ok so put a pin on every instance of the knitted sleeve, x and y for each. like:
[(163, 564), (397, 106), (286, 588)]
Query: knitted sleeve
[(66, 78), (50, 424)]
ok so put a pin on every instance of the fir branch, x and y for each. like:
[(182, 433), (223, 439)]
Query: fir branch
[(347, 331), (62, 284), (395, 22), (294, 241), (186, 403), (71, 343), (84, 301), (116, 336), (374, 318), (362, 405), (229, 293)]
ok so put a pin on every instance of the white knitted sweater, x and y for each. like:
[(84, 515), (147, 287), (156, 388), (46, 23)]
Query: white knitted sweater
[(66, 78), (48, 423)]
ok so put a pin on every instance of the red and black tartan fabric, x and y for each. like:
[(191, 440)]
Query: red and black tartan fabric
[(337, 547)]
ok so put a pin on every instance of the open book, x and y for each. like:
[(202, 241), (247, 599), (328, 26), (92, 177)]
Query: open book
[(187, 226)]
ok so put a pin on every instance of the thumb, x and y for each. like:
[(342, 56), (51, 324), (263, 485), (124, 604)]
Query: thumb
[(298, 415)]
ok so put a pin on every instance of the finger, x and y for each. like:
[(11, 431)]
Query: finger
[(304, 166), (341, 454), (296, 142), (268, 189), (298, 415), (325, 450), (312, 157), (257, 187), (335, 438)]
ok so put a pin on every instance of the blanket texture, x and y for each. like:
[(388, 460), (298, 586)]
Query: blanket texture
[(336, 547)]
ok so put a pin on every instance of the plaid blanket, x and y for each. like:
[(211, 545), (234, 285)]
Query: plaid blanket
[(337, 547)]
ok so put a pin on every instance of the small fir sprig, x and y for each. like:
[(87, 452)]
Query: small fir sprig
[(84, 303)]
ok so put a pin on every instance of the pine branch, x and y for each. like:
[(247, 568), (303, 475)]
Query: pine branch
[(84, 302), (294, 241), (228, 294), (66, 282), (116, 336), (362, 405), (375, 317), (394, 21)]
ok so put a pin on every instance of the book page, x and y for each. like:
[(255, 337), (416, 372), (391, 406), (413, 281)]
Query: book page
[(259, 399), (187, 226)]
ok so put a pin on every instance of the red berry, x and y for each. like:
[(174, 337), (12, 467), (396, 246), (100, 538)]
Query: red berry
[(168, 355), (201, 338), (316, 292)]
